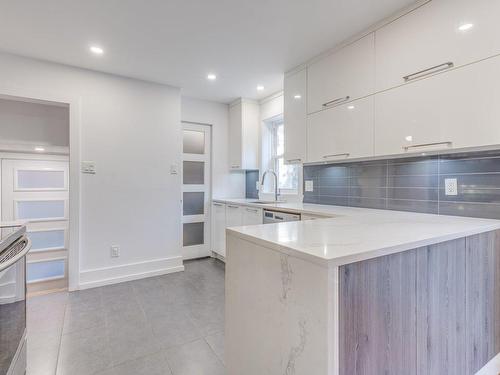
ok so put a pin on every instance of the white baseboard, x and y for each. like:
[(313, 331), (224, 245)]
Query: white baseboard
[(128, 272)]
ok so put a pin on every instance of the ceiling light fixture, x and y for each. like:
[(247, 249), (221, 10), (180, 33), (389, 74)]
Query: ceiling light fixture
[(39, 149), (96, 50), (466, 26), (351, 107), (409, 138), (211, 77), (298, 96), (260, 88)]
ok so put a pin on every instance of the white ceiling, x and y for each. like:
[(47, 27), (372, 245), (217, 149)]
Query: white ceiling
[(178, 42)]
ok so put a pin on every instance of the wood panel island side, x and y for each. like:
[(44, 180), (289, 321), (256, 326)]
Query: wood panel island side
[(313, 298)]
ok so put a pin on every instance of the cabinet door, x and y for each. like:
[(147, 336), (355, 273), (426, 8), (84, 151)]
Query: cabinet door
[(219, 228), (295, 117), (455, 109), (342, 132), (437, 33), (345, 75), (252, 216), (234, 215), (235, 136)]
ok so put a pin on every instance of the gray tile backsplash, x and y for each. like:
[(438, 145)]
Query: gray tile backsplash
[(251, 178), (414, 184)]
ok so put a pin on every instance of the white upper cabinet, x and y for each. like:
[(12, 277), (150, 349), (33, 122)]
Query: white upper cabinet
[(244, 135), (437, 36), (456, 109), (343, 132), (345, 75), (295, 114)]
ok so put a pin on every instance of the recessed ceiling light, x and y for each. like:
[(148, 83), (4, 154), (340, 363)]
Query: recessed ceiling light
[(260, 88), (39, 149), (409, 138), (351, 107), (298, 96), (211, 77), (96, 50), (466, 26)]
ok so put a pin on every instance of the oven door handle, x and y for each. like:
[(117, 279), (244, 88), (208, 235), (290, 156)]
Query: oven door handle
[(27, 247)]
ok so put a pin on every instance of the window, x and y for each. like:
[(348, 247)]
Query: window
[(288, 175)]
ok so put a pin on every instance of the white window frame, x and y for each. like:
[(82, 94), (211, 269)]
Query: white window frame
[(274, 158)]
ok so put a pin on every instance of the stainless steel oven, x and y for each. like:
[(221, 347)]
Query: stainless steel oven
[(14, 246)]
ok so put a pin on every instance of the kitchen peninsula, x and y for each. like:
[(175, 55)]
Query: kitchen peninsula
[(364, 292)]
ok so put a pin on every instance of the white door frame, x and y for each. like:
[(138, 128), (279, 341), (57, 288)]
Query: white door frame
[(74, 104)]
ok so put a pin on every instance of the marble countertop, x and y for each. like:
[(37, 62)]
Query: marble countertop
[(349, 234)]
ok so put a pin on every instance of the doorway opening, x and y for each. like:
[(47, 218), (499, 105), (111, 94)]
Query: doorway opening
[(34, 185)]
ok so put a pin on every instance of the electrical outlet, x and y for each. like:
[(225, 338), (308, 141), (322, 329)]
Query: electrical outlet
[(450, 186), (115, 251), (309, 185)]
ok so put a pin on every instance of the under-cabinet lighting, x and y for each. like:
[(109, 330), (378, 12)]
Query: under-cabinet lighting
[(298, 96), (39, 149), (351, 107)]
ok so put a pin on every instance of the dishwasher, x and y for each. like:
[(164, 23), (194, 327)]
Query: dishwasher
[(279, 217)]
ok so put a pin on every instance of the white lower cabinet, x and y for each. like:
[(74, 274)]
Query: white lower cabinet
[(230, 215), (455, 109), (342, 132), (219, 228), (234, 215), (252, 216)]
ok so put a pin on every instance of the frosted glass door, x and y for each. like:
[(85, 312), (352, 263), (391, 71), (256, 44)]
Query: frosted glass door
[(37, 191), (195, 191)]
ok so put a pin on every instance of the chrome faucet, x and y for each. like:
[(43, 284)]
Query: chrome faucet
[(276, 191)]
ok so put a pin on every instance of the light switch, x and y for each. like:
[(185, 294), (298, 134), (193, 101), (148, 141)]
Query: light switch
[(257, 185), (88, 167), (174, 169), (450, 186), (309, 185)]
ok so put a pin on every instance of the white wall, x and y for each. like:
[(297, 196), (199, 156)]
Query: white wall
[(225, 184), (131, 129), (24, 123)]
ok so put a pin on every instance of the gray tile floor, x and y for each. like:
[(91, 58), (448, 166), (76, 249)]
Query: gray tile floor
[(172, 324)]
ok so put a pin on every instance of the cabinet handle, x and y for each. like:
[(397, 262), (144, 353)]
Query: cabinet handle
[(336, 101), (235, 166), (293, 160), (252, 210), (426, 72), (448, 143), (233, 206), (218, 204), (346, 154)]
